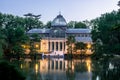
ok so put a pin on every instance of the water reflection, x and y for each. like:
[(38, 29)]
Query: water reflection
[(36, 68), (60, 69), (57, 69)]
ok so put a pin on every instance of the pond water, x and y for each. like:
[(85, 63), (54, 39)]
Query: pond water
[(75, 69)]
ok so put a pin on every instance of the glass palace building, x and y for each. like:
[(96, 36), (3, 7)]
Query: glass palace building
[(54, 39)]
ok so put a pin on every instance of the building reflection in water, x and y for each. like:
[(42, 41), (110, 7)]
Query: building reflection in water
[(88, 62), (36, 67), (57, 69), (52, 69)]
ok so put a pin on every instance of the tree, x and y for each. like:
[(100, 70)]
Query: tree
[(34, 38), (15, 38), (87, 23), (32, 21), (48, 25), (2, 43), (13, 32), (2, 36), (70, 42), (9, 71), (106, 29), (80, 46), (75, 24), (80, 25), (71, 24)]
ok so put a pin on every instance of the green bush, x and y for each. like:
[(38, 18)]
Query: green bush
[(9, 71)]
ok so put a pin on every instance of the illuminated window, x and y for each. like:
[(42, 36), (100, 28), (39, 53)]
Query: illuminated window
[(88, 46), (37, 46)]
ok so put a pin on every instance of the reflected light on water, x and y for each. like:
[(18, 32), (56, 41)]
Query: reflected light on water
[(60, 69), (21, 66), (111, 66), (97, 78), (36, 68), (88, 62)]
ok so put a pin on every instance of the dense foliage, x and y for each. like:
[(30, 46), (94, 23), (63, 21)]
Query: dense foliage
[(9, 71), (106, 33), (80, 46), (75, 24), (70, 41), (13, 32), (48, 24)]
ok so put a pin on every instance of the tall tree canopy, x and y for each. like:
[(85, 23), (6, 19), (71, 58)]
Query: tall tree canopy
[(106, 29), (48, 24), (13, 32), (70, 41), (75, 24), (30, 23), (7, 20)]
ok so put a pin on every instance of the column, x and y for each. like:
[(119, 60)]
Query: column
[(50, 46), (58, 46), (63, 46), (54, 46)]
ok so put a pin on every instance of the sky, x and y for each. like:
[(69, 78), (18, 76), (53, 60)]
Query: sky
[(72, 10)]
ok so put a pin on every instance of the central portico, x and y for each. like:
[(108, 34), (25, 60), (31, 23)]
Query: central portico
[(56, 40)]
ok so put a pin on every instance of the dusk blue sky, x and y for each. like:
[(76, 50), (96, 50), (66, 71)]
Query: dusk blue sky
[(75, 10)]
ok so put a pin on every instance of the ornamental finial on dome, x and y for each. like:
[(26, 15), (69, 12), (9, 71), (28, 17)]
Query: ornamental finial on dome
[(59, 12)]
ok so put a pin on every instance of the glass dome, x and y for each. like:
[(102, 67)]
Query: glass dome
[(59, 21)]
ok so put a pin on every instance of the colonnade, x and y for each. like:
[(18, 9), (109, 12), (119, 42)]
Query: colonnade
[(56, 65), (56, 46)]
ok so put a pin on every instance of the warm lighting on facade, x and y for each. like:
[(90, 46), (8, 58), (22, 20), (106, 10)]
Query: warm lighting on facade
[(89, 46), (23, 46), (44, 46), (88, 51), (26, 48), (27, 51), (37, 46)]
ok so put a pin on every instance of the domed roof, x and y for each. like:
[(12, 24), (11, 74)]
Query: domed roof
[(59, 21)]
